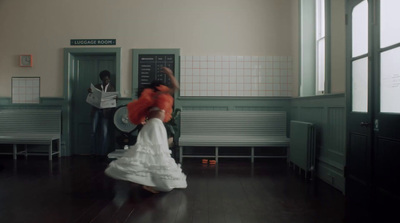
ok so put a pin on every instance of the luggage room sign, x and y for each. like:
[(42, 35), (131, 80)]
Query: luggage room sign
[(97, 42)]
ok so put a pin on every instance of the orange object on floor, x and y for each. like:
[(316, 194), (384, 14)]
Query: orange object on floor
[(204, 160), (213, 162)]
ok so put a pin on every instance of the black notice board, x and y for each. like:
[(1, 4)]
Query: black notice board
[(150, 68)]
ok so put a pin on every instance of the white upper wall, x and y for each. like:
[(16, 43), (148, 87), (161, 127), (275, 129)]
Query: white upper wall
[(44, 28)]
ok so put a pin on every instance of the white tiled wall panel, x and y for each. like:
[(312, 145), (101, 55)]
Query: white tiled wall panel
[(236, 76), (26, 90)]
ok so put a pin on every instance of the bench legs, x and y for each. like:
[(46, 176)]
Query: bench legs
[(51, 150), (180, 154), (26, 151), (15, 151), (59, 148), (216, 153), (252, 154)]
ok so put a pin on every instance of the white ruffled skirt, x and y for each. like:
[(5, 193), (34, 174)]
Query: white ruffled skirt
[(149, 161)]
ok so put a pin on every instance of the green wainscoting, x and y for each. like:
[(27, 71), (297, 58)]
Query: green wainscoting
[(55, 103), (328, 113), (46, 103)]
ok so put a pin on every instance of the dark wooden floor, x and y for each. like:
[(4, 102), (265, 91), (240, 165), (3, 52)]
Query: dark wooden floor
[(75, 189)]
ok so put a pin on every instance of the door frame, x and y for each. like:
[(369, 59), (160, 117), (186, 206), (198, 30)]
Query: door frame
[(353, 117), (69, 75), (379, 205)]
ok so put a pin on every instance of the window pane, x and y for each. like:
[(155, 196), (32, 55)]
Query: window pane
[(320, 18), (390, 81), (321, 65), (360, 85), (320, 46), (390, 20), (360, 29)]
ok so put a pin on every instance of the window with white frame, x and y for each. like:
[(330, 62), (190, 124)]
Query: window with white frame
[(313, 51), (320, 46)]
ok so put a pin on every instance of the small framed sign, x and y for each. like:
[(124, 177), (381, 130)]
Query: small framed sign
[(25, 60)]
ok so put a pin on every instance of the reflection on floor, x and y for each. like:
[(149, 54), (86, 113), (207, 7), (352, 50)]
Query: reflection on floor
[(75, 189)]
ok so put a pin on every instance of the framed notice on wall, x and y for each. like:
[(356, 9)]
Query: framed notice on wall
[(25, 90), (148, 64), (150, 68)]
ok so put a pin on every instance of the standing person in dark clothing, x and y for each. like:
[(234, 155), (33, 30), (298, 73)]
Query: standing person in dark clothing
[(101, 117)]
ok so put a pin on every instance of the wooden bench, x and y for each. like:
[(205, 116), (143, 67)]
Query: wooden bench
[(31, 126), (232, 129)]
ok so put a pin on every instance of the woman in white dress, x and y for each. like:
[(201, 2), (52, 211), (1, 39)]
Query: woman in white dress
[(149, 162)]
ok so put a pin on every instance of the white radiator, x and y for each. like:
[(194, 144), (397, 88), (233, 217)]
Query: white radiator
[(302, 146)]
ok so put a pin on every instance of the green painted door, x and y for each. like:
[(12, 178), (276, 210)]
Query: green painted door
[(359, 114), (386, 120), (372, 166), (86, 69)]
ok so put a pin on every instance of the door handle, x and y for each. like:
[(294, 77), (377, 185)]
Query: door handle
[(365, 124), (376, 126)]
